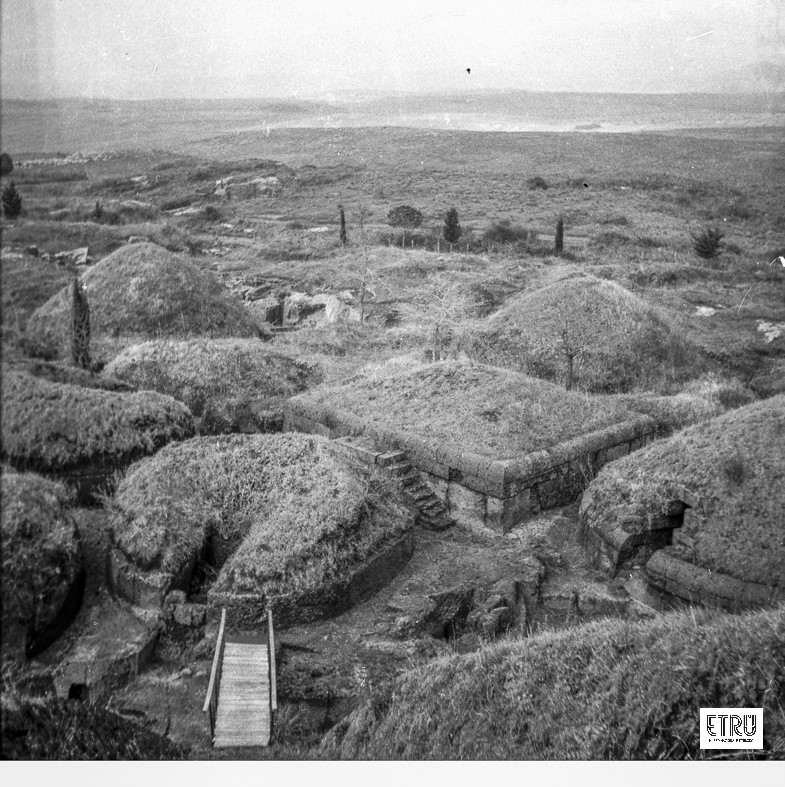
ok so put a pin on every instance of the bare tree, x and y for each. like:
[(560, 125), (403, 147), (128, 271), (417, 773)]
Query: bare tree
[(572, 344), (442, 302)]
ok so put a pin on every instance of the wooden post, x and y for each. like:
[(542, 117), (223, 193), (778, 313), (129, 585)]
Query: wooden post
[(211, 701), (271, 658)]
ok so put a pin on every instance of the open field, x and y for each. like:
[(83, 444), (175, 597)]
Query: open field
[(218, 279)]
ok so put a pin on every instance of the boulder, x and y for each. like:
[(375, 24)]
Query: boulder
[(73, 257)]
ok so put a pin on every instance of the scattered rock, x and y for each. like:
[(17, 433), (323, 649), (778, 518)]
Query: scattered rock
[(73, 257)]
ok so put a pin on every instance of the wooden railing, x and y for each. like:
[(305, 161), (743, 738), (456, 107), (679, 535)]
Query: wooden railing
[(271, 661), (211, 701)]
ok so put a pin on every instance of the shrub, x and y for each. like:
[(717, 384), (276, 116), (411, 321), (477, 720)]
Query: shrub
[(504, 231), (405, 216), (708, 243), (6, 164), (12, 201), (536, 183)]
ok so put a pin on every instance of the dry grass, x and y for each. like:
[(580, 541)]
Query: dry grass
[(620, 343), (707, 397), (483, 409), (50, 728), (228, 384), (742, 526), (143, 292), (51, 426), (611, 690), (303, 516), (41, 552)]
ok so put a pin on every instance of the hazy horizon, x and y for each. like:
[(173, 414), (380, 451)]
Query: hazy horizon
[(237, 49)]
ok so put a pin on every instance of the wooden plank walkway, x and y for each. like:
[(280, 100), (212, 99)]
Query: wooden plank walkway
[(243, 717)]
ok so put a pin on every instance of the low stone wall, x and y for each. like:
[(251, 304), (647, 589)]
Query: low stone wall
[(248, 612), (695, 584), (481, 491)]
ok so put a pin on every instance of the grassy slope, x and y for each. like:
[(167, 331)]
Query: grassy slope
[(480, 408), (624, 343), (734, 465), (300, 511), (37, 728), (40, 546), (52, 425), (605, 690), (215, 378), (143, 291)]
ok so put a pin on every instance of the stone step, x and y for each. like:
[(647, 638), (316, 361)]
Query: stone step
[(391, 458), (419, 493), (441, 522), (399, 468), (435, 506), (410, 479)]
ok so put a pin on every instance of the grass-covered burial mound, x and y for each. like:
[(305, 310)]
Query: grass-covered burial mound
[(619, 343), (139, 292), (230, 385), (484, 409), (54, 427), (730, 473), (610, 690), (285, 520), (42, 562)]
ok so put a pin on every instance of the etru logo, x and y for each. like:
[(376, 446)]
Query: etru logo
[(731, 728)]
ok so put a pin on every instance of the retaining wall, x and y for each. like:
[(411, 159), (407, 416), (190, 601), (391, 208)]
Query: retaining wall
[(481, 491), (699, 585)]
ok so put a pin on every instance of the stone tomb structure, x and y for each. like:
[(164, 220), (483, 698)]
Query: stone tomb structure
[(481, 491)]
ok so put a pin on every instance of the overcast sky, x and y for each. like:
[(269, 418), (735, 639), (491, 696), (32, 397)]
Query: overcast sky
[(277, 48)]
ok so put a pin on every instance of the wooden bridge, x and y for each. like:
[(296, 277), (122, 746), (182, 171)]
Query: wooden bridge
[(241, 695)]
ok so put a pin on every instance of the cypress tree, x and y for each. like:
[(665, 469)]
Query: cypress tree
[(559, 236), (12, 201), (80, 321), (343, 226), (452, 227)]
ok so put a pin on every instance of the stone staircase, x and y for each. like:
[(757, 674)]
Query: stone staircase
[(431, 510)]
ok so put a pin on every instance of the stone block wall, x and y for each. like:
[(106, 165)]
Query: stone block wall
[(481, 491)]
